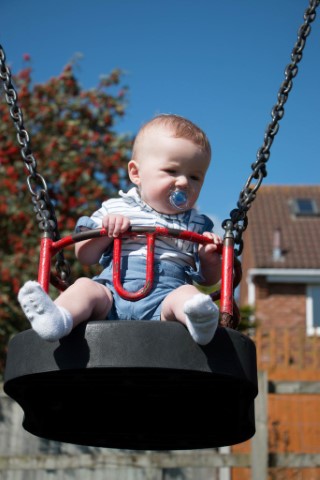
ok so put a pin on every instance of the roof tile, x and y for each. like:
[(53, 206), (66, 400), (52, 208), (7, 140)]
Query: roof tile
[(300, 235)]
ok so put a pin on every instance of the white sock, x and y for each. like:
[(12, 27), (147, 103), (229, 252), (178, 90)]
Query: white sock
[(202, 317), (50, 321)]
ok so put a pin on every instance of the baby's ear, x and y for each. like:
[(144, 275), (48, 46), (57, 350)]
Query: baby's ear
[(133, 171)]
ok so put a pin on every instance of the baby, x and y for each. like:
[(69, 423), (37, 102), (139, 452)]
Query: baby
[(169, 162)]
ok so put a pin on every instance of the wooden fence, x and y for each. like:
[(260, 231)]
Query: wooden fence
[(288, 353), (277, 460)]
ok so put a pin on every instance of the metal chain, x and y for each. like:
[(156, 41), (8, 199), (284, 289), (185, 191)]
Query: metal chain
[(238, 220), (37, 185)]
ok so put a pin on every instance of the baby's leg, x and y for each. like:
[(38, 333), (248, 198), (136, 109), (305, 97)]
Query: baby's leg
[(195, 310), (54, 320)]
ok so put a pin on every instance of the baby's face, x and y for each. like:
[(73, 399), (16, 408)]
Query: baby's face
[(164, 164)]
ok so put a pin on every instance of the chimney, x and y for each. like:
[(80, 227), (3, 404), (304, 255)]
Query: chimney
[(276, 246)]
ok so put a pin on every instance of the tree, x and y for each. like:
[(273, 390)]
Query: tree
[(79, 154)]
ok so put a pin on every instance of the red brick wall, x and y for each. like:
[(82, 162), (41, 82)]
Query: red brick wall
[(280, 304)]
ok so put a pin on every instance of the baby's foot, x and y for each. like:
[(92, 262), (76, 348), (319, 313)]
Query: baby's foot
[(49, 321), (202, 317)]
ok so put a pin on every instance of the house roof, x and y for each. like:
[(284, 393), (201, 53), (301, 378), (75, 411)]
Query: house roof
[(273, 222)]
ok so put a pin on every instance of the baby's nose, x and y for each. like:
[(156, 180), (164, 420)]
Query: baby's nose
[(181, 181)]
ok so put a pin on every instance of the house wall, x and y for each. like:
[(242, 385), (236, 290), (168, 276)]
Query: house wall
[(280, 305)]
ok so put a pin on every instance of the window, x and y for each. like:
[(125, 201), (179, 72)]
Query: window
[(305, 207), (313, 310)]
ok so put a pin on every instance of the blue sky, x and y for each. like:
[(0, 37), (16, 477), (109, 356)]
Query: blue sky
[(219, 63)]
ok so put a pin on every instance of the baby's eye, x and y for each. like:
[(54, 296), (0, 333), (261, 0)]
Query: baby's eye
[(195, 177), (171, 171)]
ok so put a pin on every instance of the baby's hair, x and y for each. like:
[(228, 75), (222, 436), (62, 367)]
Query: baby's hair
[(180, 128)]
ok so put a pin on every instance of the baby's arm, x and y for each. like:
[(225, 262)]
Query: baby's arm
[(210, 260), (89, 252)]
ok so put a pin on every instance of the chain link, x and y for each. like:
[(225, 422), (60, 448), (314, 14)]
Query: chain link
[(238, 221), (37, 185)]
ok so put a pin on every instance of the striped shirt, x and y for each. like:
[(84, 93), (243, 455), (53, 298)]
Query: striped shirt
[(130, 205)]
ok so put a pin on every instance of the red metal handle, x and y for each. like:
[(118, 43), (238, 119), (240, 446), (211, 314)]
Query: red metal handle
[(49, 248), (150, 235), (149, 270), (227, 267)]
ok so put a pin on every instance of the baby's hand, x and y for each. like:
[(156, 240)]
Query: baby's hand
[(207, 251), (115, 224)]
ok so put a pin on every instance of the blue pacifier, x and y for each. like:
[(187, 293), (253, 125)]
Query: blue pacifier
[(179, 199)]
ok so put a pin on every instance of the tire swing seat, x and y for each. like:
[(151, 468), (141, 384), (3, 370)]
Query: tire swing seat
[(135, 385)]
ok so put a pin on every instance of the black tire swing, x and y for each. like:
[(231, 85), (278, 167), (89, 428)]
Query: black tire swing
[(141, 385)]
